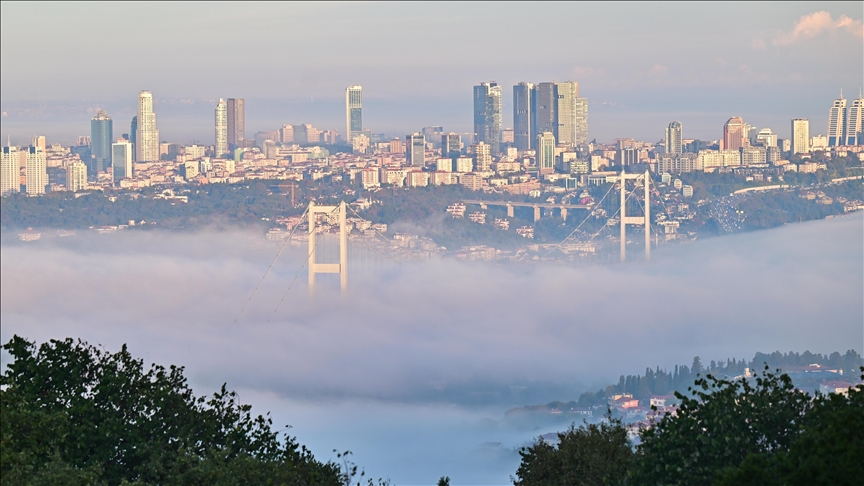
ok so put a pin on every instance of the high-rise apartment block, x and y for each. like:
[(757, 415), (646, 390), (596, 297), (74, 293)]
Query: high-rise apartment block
[(221, 147), (396, 146), (10, 171), (483, 157), (581, 123), (546, 152), (415, 149), (854, 127), (673, 138), (734, 134), (353, 112), (76, 176), (524, 109), (236, 122), (488, 121), (147, 137), (101, 135), (800, 136), (121, 159), (36, 170)]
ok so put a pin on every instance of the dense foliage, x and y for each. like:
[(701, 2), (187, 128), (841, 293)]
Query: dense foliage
[(74, 414), (725, 432)]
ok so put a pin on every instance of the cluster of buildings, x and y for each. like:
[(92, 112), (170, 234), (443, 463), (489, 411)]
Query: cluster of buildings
[(546, 150)]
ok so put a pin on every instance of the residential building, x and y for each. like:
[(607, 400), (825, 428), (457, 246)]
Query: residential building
[(707, 159), (415, 149), (836, 119), (236, 122), (221, 146), (524, 119), (483, 157), (396, 146), (444, 165), (753, 155), (76, 176), (353, 112), (121, 160), (854, 127), (766, 138), (101, 135), (581, 123), (488, 121), (546, 152), (800, 136), (10, 171), (677, 163), (147, 137), (464, 164), (673, 138), (36, 170)]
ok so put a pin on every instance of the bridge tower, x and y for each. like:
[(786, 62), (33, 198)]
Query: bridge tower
[(646, 219), (342, 267)]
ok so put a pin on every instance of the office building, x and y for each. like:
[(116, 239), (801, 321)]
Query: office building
[(765, 138), (101, 135), (483, 157), (734, 135), (10, 171), (546, 152), (488, 121), (221, 146), (353, 112), (800, 136), (236, 123), (76, 176), (41, 142), (147, 136), (36, 170), (546, 109), (524, 122), (121, 159), (836, 120), (673, 138), (854, 126), (133, 134), (451, 145), (567, 92), (415, 149), (433, 135)]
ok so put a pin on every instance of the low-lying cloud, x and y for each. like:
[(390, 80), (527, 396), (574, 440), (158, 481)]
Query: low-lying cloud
[(440, 333)]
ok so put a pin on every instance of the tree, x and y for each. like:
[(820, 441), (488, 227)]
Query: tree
[(78, 414), (593, 454)]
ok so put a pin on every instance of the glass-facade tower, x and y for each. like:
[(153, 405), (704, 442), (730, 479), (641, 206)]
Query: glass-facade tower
[(353, 112), (101, 136), (488, 121), (524, 115)]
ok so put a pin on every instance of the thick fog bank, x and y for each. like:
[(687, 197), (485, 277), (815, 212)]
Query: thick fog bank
[(408, 363)]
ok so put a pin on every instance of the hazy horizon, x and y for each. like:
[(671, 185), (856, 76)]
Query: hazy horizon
[(638, 66)]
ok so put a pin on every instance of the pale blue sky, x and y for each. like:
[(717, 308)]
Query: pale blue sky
[(651, 63)]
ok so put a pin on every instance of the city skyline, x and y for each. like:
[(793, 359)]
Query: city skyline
[(652, 86)]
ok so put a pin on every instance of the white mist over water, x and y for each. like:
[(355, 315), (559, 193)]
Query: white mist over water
[(404, 369)]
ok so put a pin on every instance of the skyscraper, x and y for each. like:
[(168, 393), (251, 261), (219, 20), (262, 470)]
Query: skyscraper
[(10, 167), (673, 138), (581, 120), (836, 118), (546, 152), (76, 176), (353, 112), (733, 133), (221, 128), (101, 135), (133, 135), (567, 92), (415, 148), (451, 145), (488, 121), (147, 138), (236, 122), (800, 136), (524, 120), (547, 109), (121, 159), (855, 123), (36, 170)]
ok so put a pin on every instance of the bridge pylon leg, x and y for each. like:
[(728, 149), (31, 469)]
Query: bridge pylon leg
[(564, 214), (536, 213), (510, 210)]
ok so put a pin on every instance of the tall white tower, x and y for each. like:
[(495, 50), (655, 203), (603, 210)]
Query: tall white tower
[(836, 119), (673, 138), (855, 122), (36, 170), (10, 171), (221, 128), (353, 112), (147, 138), (800, 136)]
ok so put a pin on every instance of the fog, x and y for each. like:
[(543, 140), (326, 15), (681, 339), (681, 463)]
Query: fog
[(411, 369)]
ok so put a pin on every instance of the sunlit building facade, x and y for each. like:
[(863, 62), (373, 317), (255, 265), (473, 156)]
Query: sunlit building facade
[(854, 123), (673, 138), (221, 128), (36, 170), (10, 171), (800, 136), (836, 120), (147, 136), (734, 134)]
